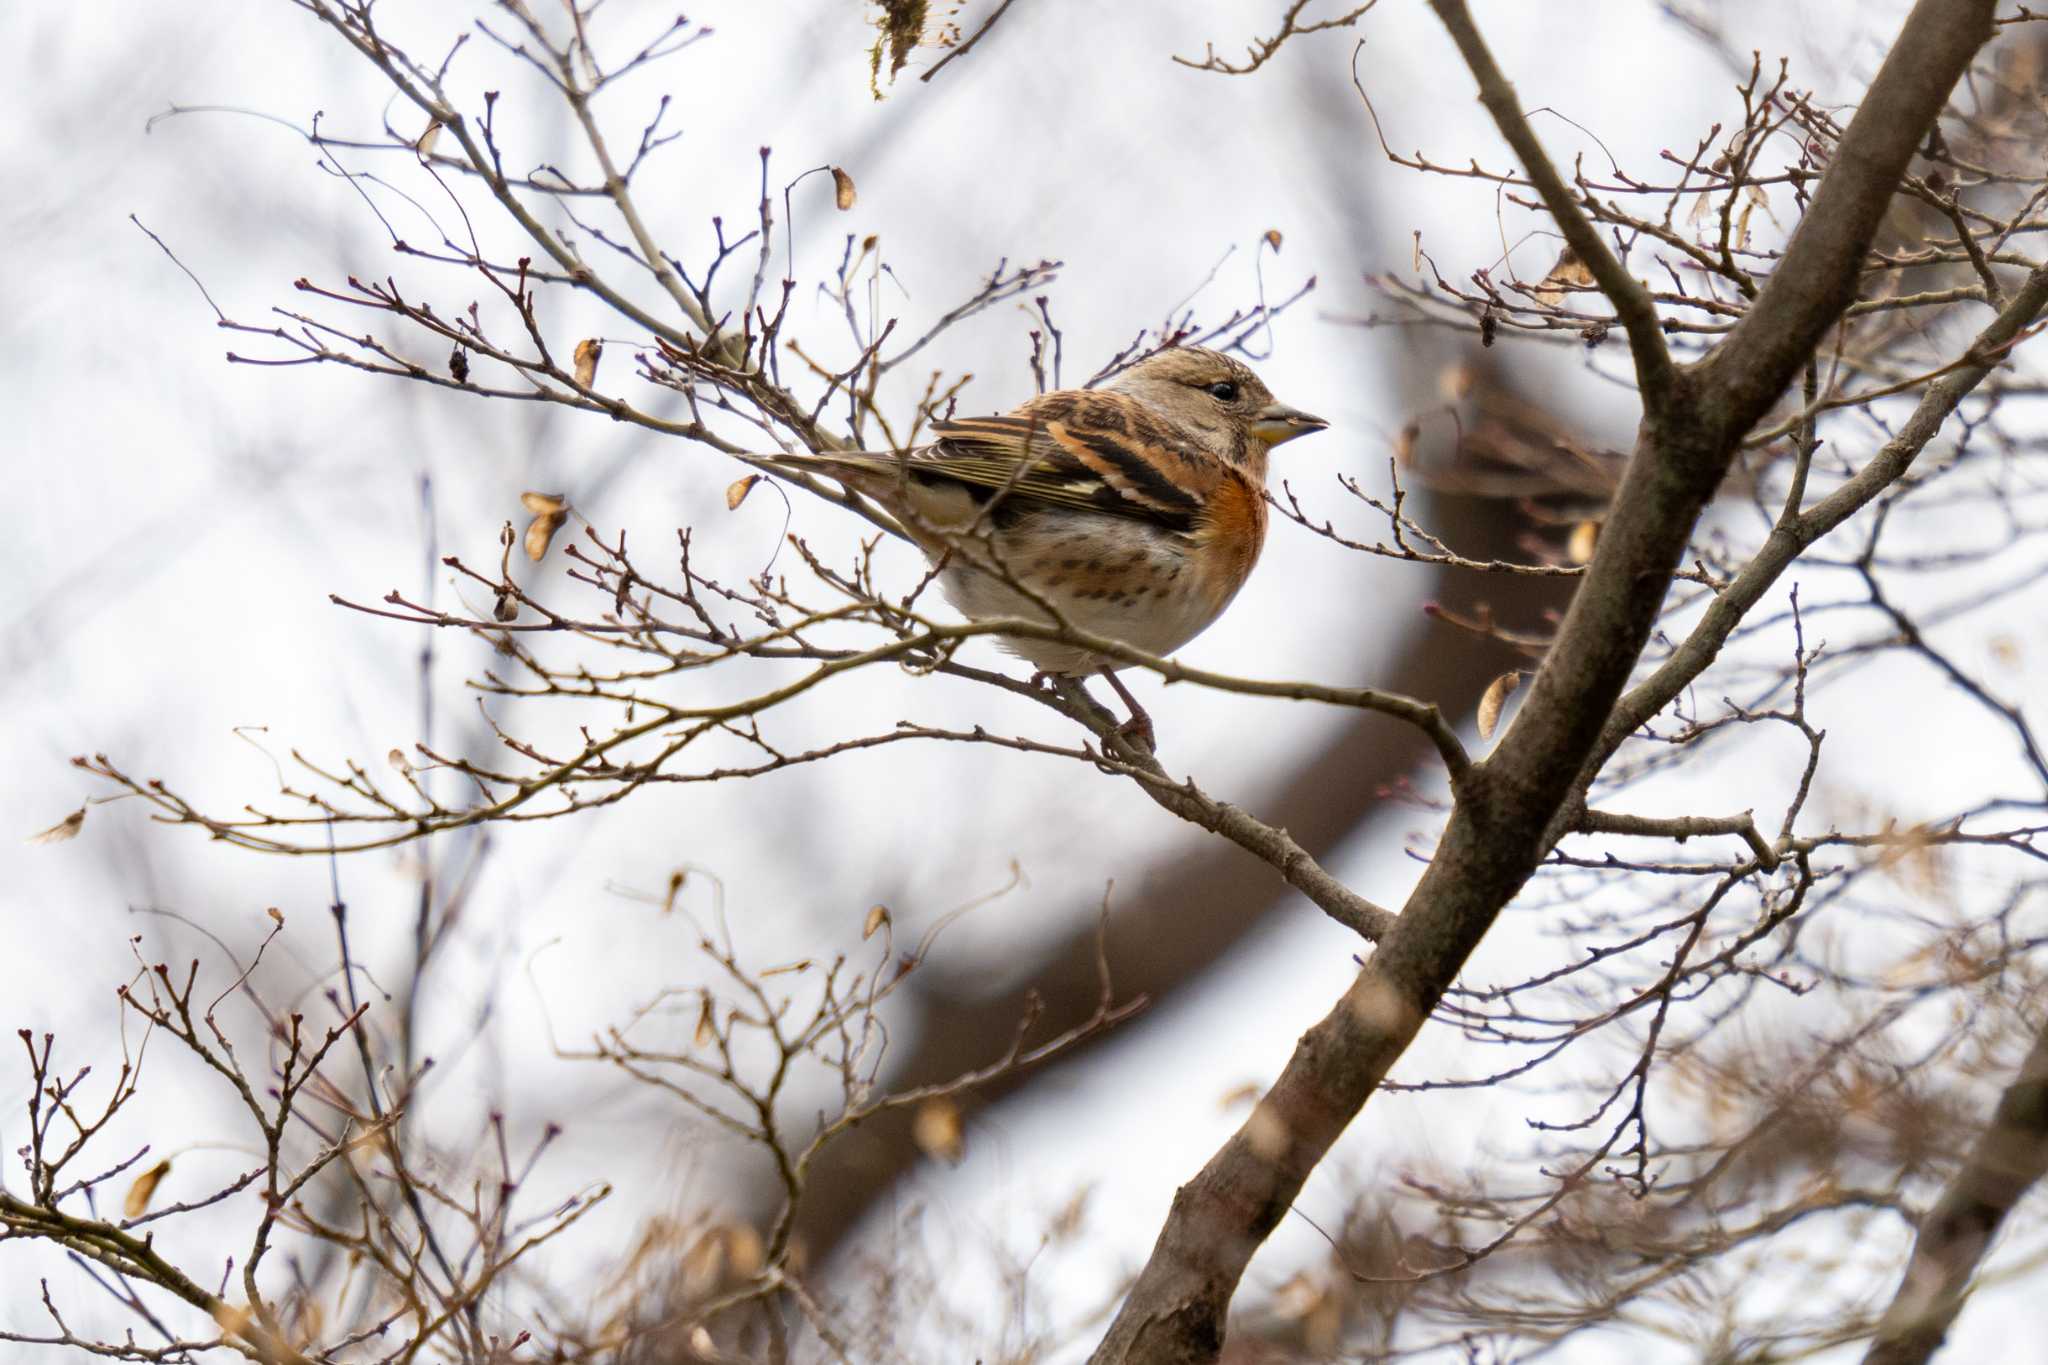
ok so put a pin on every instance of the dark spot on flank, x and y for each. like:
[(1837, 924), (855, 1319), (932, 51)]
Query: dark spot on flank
[(1095, 566), (1070, 563), (1054, 581)]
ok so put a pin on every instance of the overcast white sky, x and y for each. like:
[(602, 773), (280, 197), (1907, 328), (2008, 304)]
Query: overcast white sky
[(182, 522)]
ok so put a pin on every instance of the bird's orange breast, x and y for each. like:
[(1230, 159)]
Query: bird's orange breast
[(1232, 533)]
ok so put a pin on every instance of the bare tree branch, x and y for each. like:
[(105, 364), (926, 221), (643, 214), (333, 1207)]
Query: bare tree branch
[(2009, 1158), (1496, 833), (1632, 303)]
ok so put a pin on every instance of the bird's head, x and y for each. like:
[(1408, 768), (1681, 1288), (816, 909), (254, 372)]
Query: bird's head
[(1212, 392)]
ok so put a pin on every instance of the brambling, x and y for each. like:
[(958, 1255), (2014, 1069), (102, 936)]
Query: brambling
[(1136, 511)]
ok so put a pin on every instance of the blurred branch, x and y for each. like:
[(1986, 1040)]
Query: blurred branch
[(2009, 1158), (1798, 527), (1186, 910), (961, 49), (1662, 933), (1261, 50), (1496, 833), (1655, 376)]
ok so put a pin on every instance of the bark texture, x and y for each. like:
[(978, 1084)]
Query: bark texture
[(1203, 896), (1508, 809)]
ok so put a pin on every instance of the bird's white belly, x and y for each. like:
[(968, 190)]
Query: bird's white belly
[(1126, 580)]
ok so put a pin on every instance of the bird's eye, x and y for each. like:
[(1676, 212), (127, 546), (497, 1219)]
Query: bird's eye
[(1224, 391)]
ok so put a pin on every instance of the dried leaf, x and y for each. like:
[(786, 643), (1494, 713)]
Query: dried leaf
[(744, 1251), (704, 1264), (458, 365), (1068, 1222), (1404, 443), (1297, 1297), (1417, 260), (1456, 381), (424, 143), (1239, 1094), (1497, 693), (1323, 1329), (144, 1189), (549, 510), (1753, 198), (67, 828), (937, 1129), (231, 1320), (540, 532), (1273, 239), (506, 608), (277, 915), (877, 917), (842, 189), (707, 1024), (1319, 1313), (1584, 540), (736, 491), (802, 964), (397, 759), (1569, 273), (1267, 1133), (675, 885), (588, 352), (311, 1324)]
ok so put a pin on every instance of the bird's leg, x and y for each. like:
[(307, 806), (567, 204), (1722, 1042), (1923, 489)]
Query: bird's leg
[(1138, 729)]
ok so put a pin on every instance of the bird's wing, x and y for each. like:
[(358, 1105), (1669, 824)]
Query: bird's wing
[(1105, 452)]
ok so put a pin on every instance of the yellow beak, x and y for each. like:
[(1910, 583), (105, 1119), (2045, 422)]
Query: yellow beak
[(1276, 422)]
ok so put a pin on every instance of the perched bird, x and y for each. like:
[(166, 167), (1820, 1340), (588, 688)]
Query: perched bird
[(1136, 510)]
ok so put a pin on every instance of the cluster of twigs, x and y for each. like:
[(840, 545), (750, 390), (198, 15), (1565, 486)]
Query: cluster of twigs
[(361, 1239), (1671, 1151), (1681, 1151), (352, 1236)]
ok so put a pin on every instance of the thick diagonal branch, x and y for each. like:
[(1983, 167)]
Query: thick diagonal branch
[(1196, 900), (1496, 833)]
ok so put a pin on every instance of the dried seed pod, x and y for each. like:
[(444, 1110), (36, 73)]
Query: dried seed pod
[(549, 510), (1497, 693), (937, 1129), (67, 828), (588, 352)]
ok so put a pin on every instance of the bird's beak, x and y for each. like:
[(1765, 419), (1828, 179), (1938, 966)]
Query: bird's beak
[(1276, 422)]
